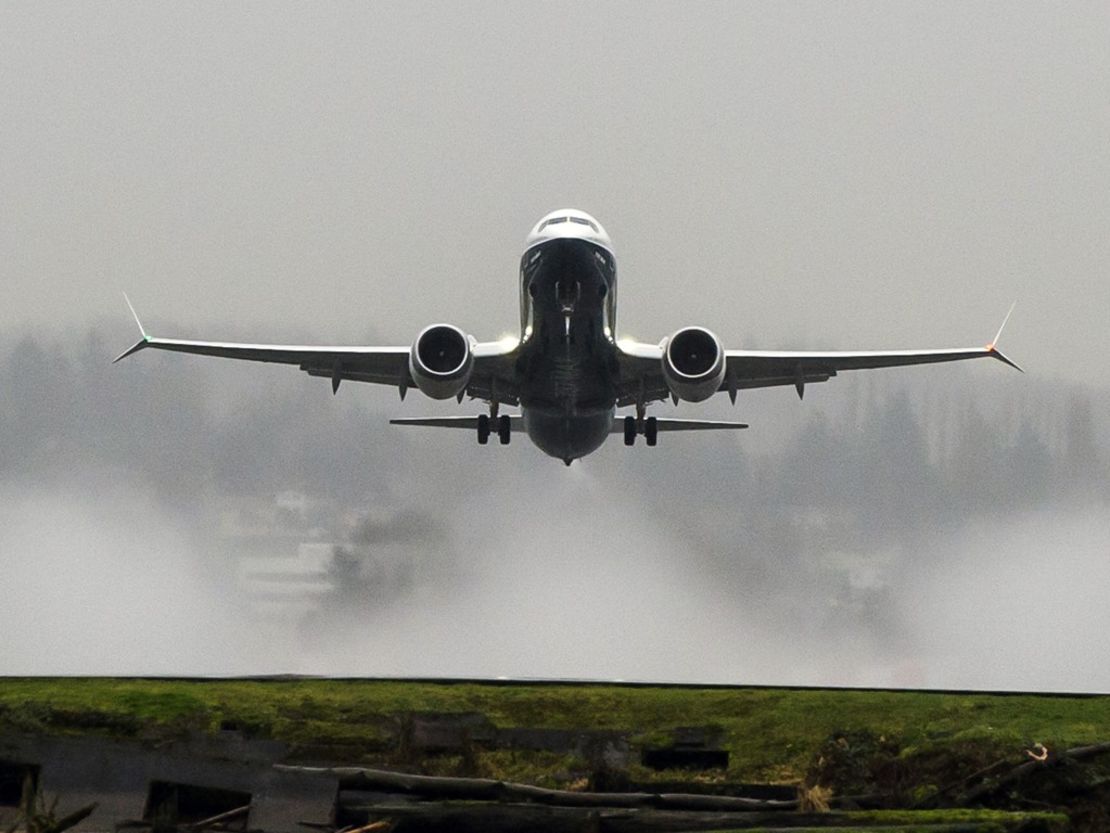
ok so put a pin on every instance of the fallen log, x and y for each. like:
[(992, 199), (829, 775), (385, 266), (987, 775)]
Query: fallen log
[(462, 817), (487, 789), (1080, 753), (220, 818), (66, 822), (372, 827), (989, 786)]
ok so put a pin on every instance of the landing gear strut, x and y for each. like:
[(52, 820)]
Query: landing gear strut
[(488, 423), (650, 430)]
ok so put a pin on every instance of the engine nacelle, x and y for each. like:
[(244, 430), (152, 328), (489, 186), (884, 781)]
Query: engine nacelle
[(693, 364), (440, 361)]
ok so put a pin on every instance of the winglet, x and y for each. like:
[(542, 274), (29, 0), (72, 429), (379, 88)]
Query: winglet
[(994, 349), (138, 345), (997, 335), (134, 348), (135, 315), (998, 354)]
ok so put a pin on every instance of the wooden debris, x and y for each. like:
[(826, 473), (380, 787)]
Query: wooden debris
[(487, 789), (220, 818), (373, 827), (73, 819), (987, 786)]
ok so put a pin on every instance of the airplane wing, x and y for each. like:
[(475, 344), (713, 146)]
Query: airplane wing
[(642, 376), (765, 368), (378, 365), (384, 365)]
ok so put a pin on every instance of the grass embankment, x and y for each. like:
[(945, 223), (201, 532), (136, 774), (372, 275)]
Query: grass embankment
[(971, 822), (773, 735)]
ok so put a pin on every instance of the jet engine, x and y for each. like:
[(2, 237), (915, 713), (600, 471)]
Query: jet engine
[(693, 364), (440, 361)]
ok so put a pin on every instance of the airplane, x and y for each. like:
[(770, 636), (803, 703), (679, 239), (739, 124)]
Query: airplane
[(567, 372)]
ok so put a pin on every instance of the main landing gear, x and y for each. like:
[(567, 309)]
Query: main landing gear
[(485, 428), (650, 430)]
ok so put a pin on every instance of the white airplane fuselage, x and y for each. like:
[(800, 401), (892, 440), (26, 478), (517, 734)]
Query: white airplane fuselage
[(568, 355)]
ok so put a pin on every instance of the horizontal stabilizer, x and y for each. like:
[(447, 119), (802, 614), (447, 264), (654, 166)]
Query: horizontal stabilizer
[(471, 423), (662, 424), (468, 422)]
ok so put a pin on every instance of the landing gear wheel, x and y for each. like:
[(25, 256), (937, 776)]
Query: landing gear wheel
[(629, 430), (504, 429), (651, 431), (483, 429)]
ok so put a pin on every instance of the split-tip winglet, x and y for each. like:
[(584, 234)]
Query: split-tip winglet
[(998, 354), (134, 348), (138, 345), (135, 315), (993, 349)]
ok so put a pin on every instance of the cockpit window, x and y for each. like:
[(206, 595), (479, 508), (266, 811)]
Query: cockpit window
[(582, 221)]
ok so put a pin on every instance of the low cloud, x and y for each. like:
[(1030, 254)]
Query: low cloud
[(161, 519)]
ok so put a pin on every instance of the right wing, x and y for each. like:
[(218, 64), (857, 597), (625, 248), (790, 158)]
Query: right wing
[(642, 377), (767, 368)]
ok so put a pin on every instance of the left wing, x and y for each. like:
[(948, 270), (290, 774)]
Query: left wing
[(384, 365), (642, 377), (492, 372)]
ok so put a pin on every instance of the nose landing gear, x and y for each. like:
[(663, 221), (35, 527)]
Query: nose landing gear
[(567, 294)]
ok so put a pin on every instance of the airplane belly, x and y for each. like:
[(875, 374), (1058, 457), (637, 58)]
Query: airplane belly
[(564, 436), (568, 384)]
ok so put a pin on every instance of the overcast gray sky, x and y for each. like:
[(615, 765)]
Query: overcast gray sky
[(837, 174), (851, 175)]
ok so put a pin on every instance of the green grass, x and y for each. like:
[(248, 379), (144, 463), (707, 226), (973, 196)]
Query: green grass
[(909, 821), (771, 733)]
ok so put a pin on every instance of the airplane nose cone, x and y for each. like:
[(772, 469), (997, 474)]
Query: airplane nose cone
[(569, 223)]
